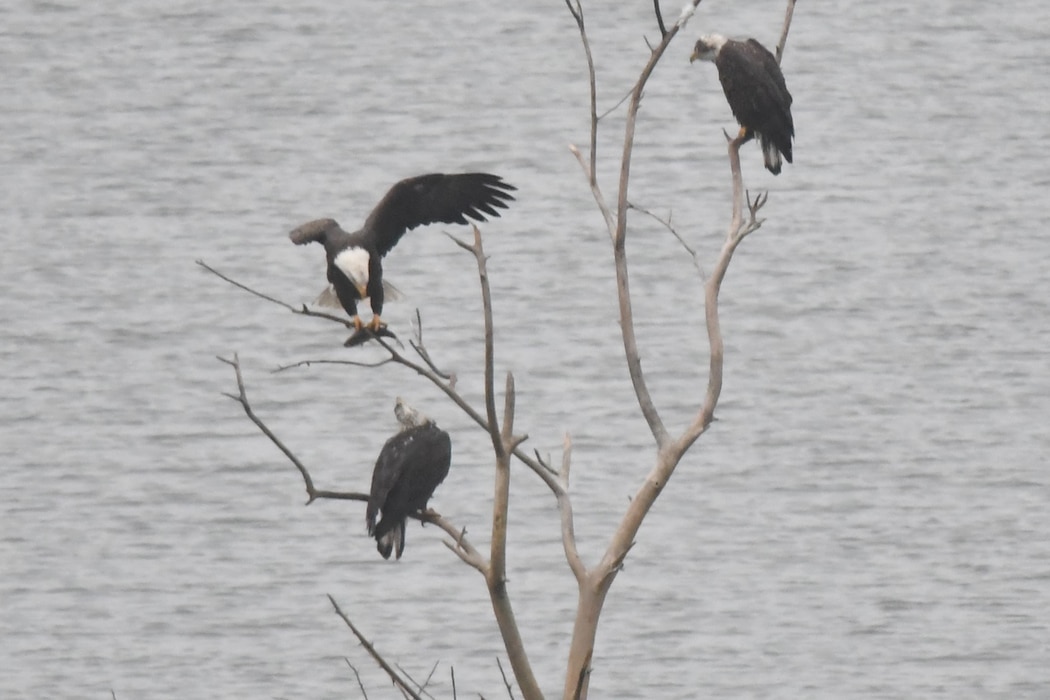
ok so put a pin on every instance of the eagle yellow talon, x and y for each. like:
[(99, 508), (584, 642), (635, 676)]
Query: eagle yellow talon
[(358, 323), (375, 325)]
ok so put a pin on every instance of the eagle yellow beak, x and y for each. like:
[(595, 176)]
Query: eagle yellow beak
[(694, 56)]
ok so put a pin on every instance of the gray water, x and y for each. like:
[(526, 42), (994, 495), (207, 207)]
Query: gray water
[(866, 519)]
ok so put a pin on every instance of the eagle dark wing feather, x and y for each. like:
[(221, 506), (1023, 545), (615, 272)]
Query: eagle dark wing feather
[(755, 89), (772, 68), (385, 475), (410, 467), (432, 198), (313, 231)]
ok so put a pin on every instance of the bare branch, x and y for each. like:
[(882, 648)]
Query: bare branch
[(616, 106), (302, 311), (420, 688), (501, 489), (503, 446), (390, 671), (242, 398), (490, 371), (617, 224), (463, 548), (659, 19), (568, 530), (510, 690), (596, 191), (426, 681), (594, 584), (460, 546), (784, 32), (630, 342), (592, 170), (420, 347), (353, 363), (358, 677), (667, 224), (495, 576)]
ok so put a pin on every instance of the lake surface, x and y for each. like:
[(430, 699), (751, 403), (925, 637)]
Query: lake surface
[(868, 517)]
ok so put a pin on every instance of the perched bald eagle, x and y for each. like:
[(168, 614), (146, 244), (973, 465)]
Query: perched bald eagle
[(355, 266), (755, 89), (410, 467)]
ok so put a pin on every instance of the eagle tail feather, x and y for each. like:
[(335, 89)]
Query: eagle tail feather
[(392, 540), (771, 155)]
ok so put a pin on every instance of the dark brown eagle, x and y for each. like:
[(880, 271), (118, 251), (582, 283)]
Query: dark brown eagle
[(756, 92)]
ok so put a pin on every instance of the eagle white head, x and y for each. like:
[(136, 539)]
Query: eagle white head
[(354, 263), (707, 47), (407, 416)]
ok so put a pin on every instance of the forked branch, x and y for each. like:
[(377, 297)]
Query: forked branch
[(617, 224), (596, 583), (398, 681), (462, 548)]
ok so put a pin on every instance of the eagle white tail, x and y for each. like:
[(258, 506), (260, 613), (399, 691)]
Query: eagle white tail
[(771, 155), (392, 540)]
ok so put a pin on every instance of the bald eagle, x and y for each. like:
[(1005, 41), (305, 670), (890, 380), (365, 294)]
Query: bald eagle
[(355, 266), (410, 467), (755, 89)]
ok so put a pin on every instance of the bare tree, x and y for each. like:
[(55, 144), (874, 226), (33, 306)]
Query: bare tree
[(594, 581)]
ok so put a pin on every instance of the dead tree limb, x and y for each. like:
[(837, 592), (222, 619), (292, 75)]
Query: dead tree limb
[(301, 310), (395, 677), (596, 582), (358, 677), (784, 32), (446, 383), (463, 548), (617, 224), (504, 443)]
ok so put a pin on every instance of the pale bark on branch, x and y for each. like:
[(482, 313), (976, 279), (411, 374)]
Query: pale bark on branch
[(595, 583), (506, 445)]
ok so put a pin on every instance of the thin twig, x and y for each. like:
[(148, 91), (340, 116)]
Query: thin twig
[(390, 671), (784, 32), (510, 690), (352, 363), (426, 681), (242, 398), (659, 19), (302, 311), (667, 224), (421, 349), (420, 688), (616, 106), (358, 677), (577, 14)]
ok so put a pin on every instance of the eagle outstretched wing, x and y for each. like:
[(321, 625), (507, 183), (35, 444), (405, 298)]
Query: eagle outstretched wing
[(432, 198), (314, 231)]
